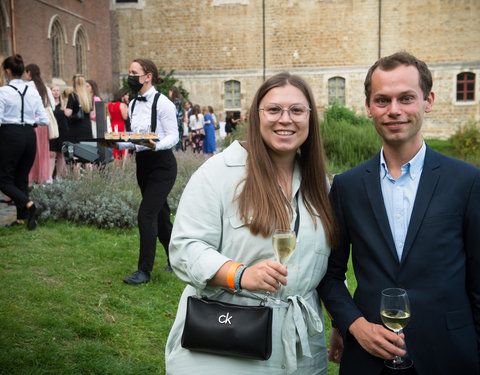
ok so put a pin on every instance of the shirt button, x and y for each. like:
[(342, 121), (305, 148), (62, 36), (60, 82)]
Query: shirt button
[(400, 245), (398, 187), (283, 367), (289, 291), (398, 216)]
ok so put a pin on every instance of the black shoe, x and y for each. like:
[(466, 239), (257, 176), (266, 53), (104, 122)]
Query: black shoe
[(33, 215), (168, 269), (138, 277), (14, 224)]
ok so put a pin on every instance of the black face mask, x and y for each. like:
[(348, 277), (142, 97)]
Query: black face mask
[(134, 83)]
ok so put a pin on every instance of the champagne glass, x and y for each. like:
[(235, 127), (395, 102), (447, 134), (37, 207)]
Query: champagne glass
[(395, 314), (283, 242)]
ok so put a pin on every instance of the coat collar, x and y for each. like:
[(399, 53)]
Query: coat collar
[(426, 187)]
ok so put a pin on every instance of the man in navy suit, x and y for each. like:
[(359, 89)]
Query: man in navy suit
[(412, 219)]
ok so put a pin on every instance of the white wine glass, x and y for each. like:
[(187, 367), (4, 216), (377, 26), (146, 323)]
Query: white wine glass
[(395, 314), (283, 243)]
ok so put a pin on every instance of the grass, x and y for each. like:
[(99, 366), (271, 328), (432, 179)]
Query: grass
[(65, 309)]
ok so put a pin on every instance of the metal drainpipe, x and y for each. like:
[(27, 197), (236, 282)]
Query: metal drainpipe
[(263, 31), (12, 10), (379, 28)]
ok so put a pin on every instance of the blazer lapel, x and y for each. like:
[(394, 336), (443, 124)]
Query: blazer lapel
[(371, 180), (426, 187)]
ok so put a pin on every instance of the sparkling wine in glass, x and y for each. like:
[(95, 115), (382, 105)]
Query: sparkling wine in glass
[(283, 242), (395, 314)]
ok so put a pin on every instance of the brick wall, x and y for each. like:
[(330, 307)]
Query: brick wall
[(32, 20)]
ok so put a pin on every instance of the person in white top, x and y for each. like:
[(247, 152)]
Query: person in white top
[(156, 164), (196, 122), (21, 109)]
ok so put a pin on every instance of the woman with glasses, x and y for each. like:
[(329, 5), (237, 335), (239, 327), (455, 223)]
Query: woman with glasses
[(224, 225)]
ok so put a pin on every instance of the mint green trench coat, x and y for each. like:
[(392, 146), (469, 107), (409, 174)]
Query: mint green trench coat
[(207, 233)]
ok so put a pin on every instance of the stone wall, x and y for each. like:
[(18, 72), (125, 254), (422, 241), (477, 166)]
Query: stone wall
[(208, 42)]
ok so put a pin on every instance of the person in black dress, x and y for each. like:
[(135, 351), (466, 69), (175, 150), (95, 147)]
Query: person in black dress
[(79, 128)]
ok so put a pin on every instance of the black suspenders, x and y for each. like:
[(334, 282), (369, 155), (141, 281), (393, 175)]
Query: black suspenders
[(22, 95), (153, 121)]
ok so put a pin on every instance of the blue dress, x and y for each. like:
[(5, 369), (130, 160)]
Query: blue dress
[(209, 141)]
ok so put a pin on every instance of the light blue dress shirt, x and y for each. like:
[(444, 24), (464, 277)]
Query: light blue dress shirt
[(399, 195)]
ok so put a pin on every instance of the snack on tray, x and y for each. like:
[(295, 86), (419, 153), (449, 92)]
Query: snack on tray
[(136, 136), (124, 136), (150, 136), (111, 136)]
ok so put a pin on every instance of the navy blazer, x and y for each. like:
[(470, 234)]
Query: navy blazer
[(440, 265)]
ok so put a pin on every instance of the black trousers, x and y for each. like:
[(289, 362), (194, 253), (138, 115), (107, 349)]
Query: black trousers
[(156, 174), (18, 145)]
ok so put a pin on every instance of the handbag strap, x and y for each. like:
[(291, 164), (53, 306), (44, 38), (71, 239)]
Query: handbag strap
[(297, 220)]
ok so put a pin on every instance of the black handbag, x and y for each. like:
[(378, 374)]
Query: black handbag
[(79, 115), (227, 329)]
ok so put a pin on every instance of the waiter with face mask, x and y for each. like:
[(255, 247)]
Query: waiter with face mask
[(151, 112)]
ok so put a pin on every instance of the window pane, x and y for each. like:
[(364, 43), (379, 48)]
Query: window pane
[(470, 96)]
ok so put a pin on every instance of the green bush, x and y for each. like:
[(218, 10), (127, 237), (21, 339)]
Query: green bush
[(106, 197), (239, 134), (466, 142), (348, 139)]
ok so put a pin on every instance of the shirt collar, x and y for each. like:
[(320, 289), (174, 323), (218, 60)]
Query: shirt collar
[(413, 168), (151, 91)]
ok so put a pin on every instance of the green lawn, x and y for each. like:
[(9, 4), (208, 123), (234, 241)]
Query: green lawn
[(65, 309)]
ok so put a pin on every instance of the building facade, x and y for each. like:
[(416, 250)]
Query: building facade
[(221, 50), (63, 37)]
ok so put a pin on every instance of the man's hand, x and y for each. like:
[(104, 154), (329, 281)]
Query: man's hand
[(377, 340), (336, 346)]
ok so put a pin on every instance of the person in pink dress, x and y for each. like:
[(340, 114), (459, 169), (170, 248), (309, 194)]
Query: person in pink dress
[(40, 172), (118, 112)]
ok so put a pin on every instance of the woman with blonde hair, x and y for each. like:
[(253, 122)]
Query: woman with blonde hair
[(79, 106), (221, 242)]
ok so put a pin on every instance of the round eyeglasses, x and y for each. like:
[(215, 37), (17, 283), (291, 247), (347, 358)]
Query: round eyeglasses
[(297, 112)]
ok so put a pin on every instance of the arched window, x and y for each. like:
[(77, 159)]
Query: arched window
[(81, 48), (465, 87), (57, 42), (336, 90), (232, 95)]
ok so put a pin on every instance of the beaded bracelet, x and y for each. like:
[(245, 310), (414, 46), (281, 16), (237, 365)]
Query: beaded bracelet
[(231, 274), (238, 277)]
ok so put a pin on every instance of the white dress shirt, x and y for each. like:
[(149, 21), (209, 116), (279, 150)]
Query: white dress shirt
[(140, 120), (11, 105)]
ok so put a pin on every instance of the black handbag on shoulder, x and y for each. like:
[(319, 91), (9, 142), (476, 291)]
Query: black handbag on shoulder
[(79, 115), (227, 329)]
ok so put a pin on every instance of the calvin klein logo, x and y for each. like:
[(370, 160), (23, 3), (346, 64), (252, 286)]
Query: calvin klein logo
[(224, 319)]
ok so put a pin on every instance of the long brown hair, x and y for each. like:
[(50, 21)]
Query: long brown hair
[(34, 71), (261, 197)]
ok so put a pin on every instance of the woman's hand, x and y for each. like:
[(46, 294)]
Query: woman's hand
[(265, 275)]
